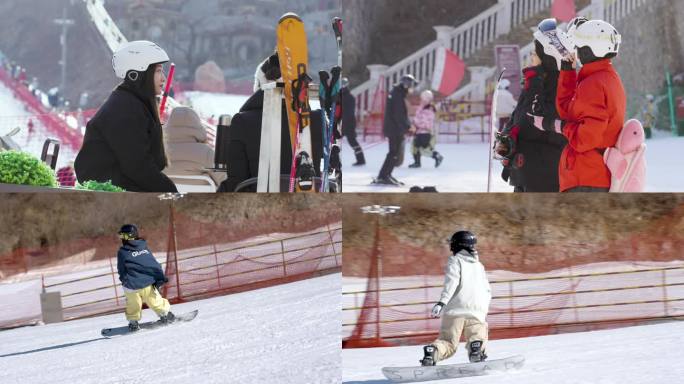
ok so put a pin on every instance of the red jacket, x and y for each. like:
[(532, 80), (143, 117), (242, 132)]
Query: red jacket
[(593, 104)]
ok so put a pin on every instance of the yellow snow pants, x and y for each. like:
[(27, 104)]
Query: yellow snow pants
[(148, 295), (450, 334)]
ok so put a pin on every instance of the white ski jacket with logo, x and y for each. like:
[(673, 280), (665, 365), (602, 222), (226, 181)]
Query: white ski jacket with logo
[(466, 290)]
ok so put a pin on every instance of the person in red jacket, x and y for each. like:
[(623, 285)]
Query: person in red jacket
[(592, 103)]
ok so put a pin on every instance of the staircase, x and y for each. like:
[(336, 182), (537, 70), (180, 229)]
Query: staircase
[(508, 22)]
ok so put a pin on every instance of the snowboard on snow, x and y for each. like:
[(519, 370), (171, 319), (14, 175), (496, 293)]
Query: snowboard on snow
[(122, 331), (293, 57), (451, 371)]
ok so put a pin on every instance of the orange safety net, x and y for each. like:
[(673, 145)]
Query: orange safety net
[(373, 121), (389, 307), (201, 260)]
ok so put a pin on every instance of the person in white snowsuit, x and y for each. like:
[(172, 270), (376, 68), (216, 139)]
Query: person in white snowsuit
[(463, 304)]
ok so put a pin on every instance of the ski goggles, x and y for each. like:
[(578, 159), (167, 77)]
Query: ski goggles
[(126, 236)]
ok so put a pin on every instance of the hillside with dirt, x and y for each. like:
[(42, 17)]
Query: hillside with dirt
[(522, 233)]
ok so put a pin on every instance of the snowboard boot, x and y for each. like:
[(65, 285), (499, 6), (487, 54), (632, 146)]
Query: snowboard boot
[(428, 356), (360, 158), (438, 158), (133, 326), (416, 162), (475, 352), (168, 318)]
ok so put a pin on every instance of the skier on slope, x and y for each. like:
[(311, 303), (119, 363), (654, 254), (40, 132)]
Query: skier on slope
[(592, 103), (349, 122), (463, 304), (141, 276), (124, 142), (425, 135), (395, 126)]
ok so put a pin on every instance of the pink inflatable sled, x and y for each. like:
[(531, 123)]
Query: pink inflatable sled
[(627, 160)]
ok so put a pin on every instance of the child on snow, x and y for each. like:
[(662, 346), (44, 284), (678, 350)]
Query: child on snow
[(141, 276), (425, 137), (592, 103), (464, 304)]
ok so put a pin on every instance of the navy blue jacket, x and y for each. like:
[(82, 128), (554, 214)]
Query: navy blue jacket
[(137, 266)]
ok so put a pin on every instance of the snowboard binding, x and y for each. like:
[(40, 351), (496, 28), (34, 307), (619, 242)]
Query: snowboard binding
[(305, 172), (475, 352), (167, 318), (429, 356), (133, 326)]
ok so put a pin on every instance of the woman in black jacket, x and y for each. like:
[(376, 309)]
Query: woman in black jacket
[(533, 151), (124, 142)]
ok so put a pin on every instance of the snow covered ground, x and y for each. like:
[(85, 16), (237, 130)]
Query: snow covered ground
[(283, 334), (639, 355), (208, 104), (465, 168)]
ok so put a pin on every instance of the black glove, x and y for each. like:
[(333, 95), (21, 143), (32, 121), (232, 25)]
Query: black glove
[(158, 284)]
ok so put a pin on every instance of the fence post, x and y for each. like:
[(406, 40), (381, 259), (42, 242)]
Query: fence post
[(282, 252), (332, 243), (574, 295), (511, 319), (664, 275), (218, 275), (175, 249), (116, 294)]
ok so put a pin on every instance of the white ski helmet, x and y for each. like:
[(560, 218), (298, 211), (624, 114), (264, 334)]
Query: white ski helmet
[(601, 37), (426, 96), (137, 56)]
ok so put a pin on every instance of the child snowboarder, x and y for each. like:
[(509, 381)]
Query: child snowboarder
[(591, 102), (424, 140), (464, 302), (141, 276)]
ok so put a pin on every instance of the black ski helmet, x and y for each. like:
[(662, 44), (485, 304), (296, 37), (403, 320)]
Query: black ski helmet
[(462, 240), (128, 232), (408, 81)]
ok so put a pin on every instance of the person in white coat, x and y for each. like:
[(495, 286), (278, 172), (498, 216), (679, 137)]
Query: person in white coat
[(463, 304), (505, 103)]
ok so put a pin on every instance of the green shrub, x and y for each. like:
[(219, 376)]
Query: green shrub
[(25, 169), (91, 185)]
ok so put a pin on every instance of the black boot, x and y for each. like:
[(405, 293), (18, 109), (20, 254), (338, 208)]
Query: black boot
[(428, 356), (475, 352), (133, 325), (360, 158), (438, 158), (167, 318), (416, 162)]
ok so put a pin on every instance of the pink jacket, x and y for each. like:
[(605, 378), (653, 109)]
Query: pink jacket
[(424, 120)]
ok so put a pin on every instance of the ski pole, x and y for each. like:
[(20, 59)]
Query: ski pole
[(167, 88)]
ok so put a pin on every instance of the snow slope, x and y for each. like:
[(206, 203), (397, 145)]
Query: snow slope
[(465, 168), (639, 355), (283, 334)]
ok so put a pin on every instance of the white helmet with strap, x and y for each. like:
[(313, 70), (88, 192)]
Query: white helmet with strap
[(601, 37), (137, 56)]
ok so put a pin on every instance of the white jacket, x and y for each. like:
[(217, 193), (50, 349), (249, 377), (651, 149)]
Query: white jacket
[(466, 288)]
